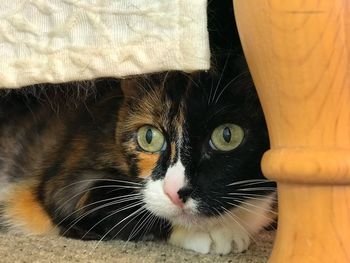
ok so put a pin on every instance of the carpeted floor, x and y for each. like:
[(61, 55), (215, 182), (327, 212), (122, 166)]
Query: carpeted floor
[(54, 249)]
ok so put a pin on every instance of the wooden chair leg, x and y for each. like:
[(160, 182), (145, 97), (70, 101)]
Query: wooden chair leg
[(299, 56)]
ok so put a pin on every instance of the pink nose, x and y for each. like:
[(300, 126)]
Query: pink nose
[(174, 197), (174, 180)]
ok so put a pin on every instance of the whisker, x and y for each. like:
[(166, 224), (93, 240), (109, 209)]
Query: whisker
[(258, 181), (119, 198), (126, 218), (222, 74), (260, 198), (239, 222), (247, 195), (234, 218), (211, 90), (190, 78), (257, 189), (138, 226), (89, 189), (151, 222), (229, 83), (78, 219), (259, 207), (112, 214), (251, 211), (99, 180), (142, 212)]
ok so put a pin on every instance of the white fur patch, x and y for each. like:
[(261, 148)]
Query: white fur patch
[(189, 239)]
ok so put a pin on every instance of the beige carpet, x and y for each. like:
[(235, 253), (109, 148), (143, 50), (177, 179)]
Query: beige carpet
[(54, 249)]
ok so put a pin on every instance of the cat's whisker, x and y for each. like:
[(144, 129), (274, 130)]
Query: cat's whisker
[(112, 214), (146, 224), (121, 199), (257, 181), (78, 219), (251, 211), (220, 110), (119, 187), (253, 197), (138, 226), (245, 195), (239, 222), (144, 212), (211, 90), (219, 82), (99, 180), (121, 221), (229, 83), (234, 218), (257, 189), (153, 219), (252, 205), (191, 79)]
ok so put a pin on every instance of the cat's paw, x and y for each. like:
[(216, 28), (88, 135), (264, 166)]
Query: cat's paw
[(189, 239), (219, 240), (225, 240)]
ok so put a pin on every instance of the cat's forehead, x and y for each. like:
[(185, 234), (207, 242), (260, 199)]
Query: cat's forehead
[(169, 100), (154, 104)]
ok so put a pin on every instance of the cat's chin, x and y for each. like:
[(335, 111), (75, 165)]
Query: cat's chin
[(185, 219)]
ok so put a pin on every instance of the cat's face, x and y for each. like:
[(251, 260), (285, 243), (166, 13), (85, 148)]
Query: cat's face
[(196, 144)]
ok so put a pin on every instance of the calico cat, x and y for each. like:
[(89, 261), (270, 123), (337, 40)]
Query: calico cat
[(171, 156)]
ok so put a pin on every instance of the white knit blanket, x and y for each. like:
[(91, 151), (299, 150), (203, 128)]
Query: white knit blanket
[(63, 40)]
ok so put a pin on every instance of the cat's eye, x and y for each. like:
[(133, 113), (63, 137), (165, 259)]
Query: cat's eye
[(226, 137), (150, 139)]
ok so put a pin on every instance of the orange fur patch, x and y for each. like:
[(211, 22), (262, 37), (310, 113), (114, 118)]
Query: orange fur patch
[(146, 163), (26, 213)]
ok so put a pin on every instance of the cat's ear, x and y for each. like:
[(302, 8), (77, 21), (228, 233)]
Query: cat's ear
[(130, 87)]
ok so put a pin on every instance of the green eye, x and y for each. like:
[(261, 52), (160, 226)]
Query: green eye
[(226, 137), (150, 139)]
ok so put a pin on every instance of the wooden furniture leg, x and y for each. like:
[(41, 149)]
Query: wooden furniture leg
[(298, 54)]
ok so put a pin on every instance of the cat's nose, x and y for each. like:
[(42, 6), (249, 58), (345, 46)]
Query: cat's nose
[(179, 197), (175, 198), (184, 193), (174, 183)]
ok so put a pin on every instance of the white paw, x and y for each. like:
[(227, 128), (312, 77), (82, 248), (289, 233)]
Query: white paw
[(225, 240), (193, 240), (219, 240)]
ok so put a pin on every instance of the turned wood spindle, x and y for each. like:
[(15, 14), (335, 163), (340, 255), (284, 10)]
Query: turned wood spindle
[(298, 54)]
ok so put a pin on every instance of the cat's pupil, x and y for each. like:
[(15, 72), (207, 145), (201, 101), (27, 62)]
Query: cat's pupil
[(149, 136), (227, 134)]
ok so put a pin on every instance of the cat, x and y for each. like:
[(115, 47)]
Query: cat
[(170, 156)]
